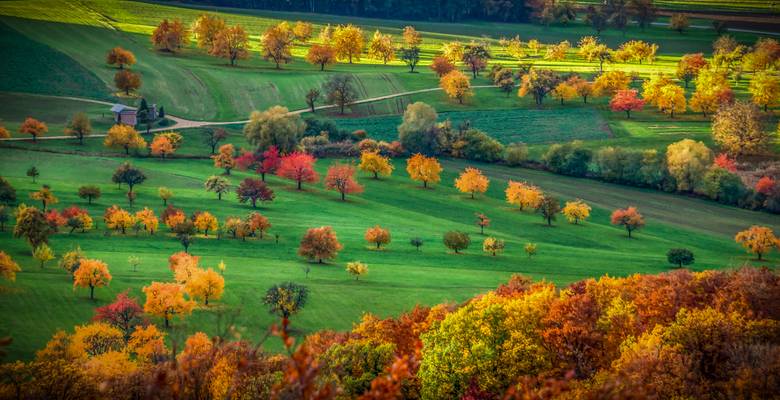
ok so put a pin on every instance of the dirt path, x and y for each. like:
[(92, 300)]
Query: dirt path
[(183, 123)]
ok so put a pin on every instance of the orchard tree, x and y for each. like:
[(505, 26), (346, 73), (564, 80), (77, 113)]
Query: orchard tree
[(225, 158), (416, 242), (357, 269), (576, 211), (629, 218), (79, 126), (410, 56), (472, 181), (765, 89), (348, 41), (8, 267), (758, 240), (7, 192), (205, 221), (212, 137), (45, 196), (424, 169), (277, 44), (523, 195), (456, 85), (320, 244), (130, 175), (712, 91), (453, 51), (299, 167), (218, 185), (31, 225), (124, 314), (270, 162), (321, 54), (34, 128), (125, 137), (43, 254), (442, 66), (381, 47), (418, 131), (475, 56), (374, 163), (166, 300), (671, 100), (148, 220), (340, 91), (33, 173), (626, 100), (457, 241), (206, 29), (689, 66), (341, 178), (687, 161), (259, 223), (302, 31), (161, 146), (679, 22), (679, 257), (539, 83), (170, 36), (548, 207), (482, 222), (165, 194), (231, 43), (91, 274), (205, 284), (378, 236), (286, 299), (120, 57), (311, 98), (493, 246), (275, 126), (563, 91), (610, 82), (4, 133), (644, 12), (251, 190), (126, 81), (737, 129)]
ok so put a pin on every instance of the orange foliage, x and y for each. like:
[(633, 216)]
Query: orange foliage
[(378, 236)]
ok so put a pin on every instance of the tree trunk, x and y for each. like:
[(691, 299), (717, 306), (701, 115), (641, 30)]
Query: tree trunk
[(91, 292), (219, 196), (628, 114), (322, 66), (425, 184), (165, 202), (343, 196), (299, 184), (376, 175), (629, 233)]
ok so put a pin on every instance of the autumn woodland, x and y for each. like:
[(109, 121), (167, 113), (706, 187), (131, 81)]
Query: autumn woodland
[(458, 199)]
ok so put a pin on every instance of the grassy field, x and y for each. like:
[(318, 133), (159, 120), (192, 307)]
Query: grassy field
[(399, 277)]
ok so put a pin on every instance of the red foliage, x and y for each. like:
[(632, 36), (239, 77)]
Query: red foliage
[(766, 185), (55, 219), (341, 177), (724, 161), (73, 211), (246, 160), (252, 190), (626, 100), (124, 313), (299, 167), (270, 163)]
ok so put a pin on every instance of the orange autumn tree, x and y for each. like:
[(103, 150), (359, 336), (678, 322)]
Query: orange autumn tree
[(299, 167), (424, 169), (34, 128), (758, 240), (124, 137), (341, 178), (120, 57), (378, 236), (206, 221), (277, 44), (167, 300), (258, 222), (126, 81), (147, 343), (629, 218), (442, 66), (148, 219), (91, 274), (626, 100), (472, 181), (205, 284), (231, 43), (118, 219), (206, 28), (225, 158), (321, 54), (170, 36), (373, 162), (523, 195), (456, 85), (320, 244), (162, 146), (8, 267)]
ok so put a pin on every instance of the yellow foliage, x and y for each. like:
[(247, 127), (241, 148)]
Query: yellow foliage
[(166, 300), (8, 267), (373, 162), (424, 169), (147, 343), (456, 85), (523, 195), (472, 181), (758, 240), (357, 269), (765, 89), (610, 82), (206, 285), (348, 41), (576, 211), (94, 339), (109, 366), (91, 274), (206, 222), (124, 137), (148, 219), (671, 100)]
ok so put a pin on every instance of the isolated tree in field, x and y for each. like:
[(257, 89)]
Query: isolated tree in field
[(126, 81), (472, 181), (679, 22), (45, 196), (411, 57), (671, 100), (712, 91), (341, 178), (34, 128), (92, 274), (285, 299), (205, 284), (251, 190), (424, 169), (299, 167), (205, 222), (627, 101), (225, 158), (381, 47), (687, 161), (277, 44), (125, 137), (170, 36), (493, 246), (576, 211), (33, 173), (166, 300), (442, 66), (340, 91), (629, 218), (148, 220), (212, 137), (302, 31), (482, 222), (165, 194), (79, 126), (130, 175), (231, 43), (374, 163), (348, 41), (43, 254), (161, 146), (689, 66), (206, 29), (218, 185), (416, 242), (456, 85), (31, 225), (357, 269), (275, 126), (120, 57), (8, 267), (548, 207), (737, 129), (475, 56), (321, 54), (679, 257), (378, 236), (538, 83), (765, 89), (523, 195), (319, 244), (758, 240), (311, 98), (564, 91), (457, 241)]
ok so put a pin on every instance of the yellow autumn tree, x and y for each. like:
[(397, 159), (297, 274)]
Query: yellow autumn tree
[(381, 47), (166, 300), (472, 181), (8, 267), (424, 169), (357, 269), (758, 240), (456, 85), (125, 137), (375, 163), (765, 89), (147, 343), (523, 195), (348, 41), (205, 221), (91, 274), (576, 211), (118, 219), (671, 100), (148, 219), (205, 284)]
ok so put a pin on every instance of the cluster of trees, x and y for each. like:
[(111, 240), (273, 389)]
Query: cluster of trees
[(597, 338), (125, 80)]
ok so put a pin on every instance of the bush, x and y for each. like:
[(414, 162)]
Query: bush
[(516, 154), (568, 159), (478, 146), (457, 240), (724, 186), (316, 126), (680, 257)]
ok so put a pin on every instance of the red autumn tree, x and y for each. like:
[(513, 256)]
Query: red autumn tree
[(33, 127), (629, 217), (252, 190), (341, 178), (626, 100), (270, 163), (124, 313), (442, 66), (724, 161), (320, 244), (246, 160), (766, 185), (299, 167)]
